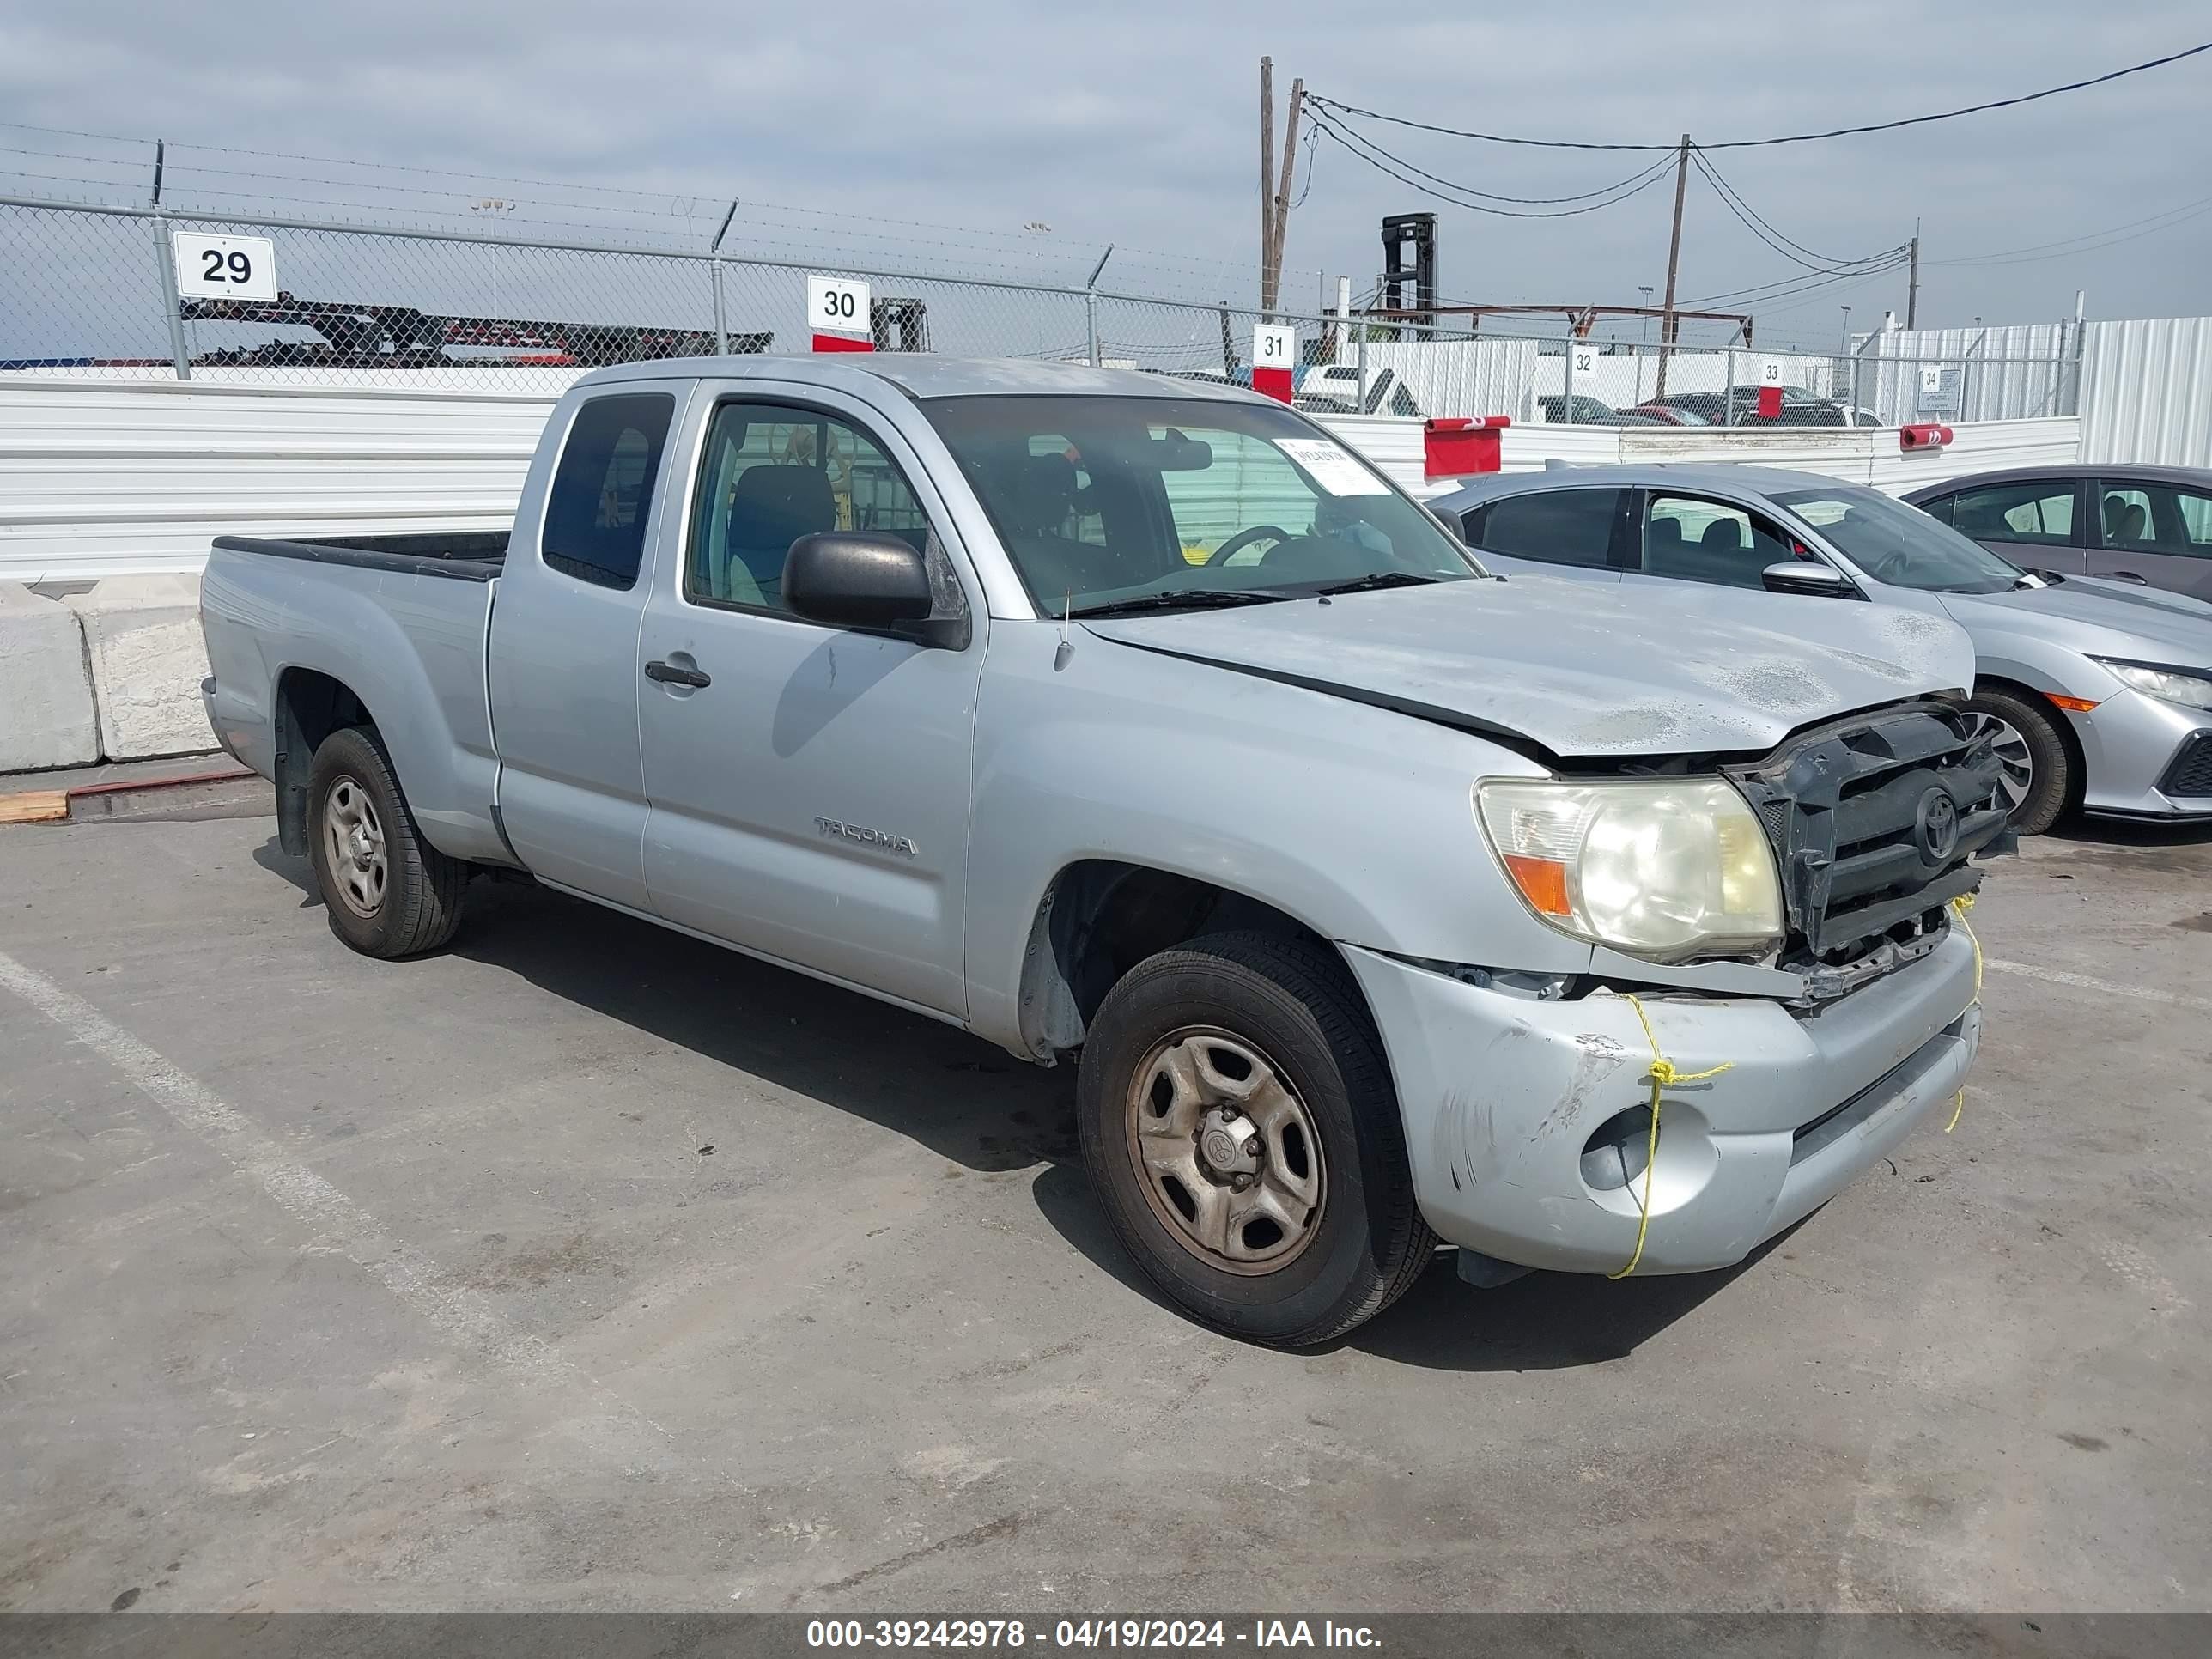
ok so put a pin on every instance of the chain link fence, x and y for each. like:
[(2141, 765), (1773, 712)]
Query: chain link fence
[(97, 292)]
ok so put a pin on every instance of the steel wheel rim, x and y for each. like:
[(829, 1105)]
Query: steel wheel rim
[(353, 841), (1229, 1157), (2010, 747)]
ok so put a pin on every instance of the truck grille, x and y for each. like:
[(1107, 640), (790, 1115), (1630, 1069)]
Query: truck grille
[(1875, 822), (2192, 771)]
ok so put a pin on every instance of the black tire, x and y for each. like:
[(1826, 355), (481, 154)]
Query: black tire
[(417, 902), (2052, 772), (1297, 1003)]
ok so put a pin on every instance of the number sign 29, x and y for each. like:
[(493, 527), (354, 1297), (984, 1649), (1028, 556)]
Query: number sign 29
[(224, 267)]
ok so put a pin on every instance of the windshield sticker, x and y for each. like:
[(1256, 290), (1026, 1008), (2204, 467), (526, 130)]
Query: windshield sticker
[(1333, 469)]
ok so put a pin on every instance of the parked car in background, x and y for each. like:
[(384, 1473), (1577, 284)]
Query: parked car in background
[(1590, 411), (1351, 874), (1333, 389), (2097, 694), (2147, 524), (1738, 406), (1669, 413)]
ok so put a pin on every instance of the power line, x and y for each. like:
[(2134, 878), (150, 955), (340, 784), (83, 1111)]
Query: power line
[(1341, 132), (1791, 287), (1760, 227), (1443, 191), (2068, 245), (1782, 138)]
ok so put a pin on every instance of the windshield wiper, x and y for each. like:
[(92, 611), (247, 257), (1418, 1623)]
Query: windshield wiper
[(1180, 598), (1380, 578)]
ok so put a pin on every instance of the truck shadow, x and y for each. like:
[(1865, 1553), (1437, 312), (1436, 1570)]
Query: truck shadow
[(971, 1103), (1545, 1321), (981, 1109)]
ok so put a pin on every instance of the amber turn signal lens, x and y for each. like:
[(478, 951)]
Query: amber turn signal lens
[(1542, 882), (2074, 705)]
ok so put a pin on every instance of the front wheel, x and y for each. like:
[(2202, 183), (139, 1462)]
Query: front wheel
[(1244, 1138), (2039, 768), (388, 892)]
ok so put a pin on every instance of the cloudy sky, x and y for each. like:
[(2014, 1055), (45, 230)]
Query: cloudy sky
[(1136, 124)]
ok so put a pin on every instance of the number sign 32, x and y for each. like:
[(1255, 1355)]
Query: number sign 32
[(224, 267)]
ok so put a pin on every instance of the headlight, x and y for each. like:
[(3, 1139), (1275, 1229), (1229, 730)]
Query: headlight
[(2193, 690), (1658, 868)]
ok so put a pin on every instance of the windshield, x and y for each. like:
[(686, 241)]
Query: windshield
[(1899, 544), (1101, 501)]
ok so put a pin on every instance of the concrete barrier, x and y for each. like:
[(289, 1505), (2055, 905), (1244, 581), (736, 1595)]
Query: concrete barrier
[(46, 695), (142, 637)]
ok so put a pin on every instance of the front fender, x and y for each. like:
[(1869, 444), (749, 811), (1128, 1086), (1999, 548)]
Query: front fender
[(1357, 822)]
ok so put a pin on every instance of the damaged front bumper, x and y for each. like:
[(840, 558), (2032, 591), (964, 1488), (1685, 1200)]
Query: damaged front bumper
[(1503, 1096)]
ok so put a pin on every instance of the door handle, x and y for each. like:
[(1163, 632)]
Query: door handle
[(668, 674), (2123, 576)]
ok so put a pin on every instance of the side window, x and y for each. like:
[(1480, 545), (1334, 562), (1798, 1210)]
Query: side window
[(602, 491), (1558, 527), (2158, 517), (1691, 540), (2126, 515), (2038, 512), (773, 473), (2195, 513), (1941, 508)]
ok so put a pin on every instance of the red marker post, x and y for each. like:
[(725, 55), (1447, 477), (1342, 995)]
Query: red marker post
[(837, 312), (1769, 389), (1274, 361)]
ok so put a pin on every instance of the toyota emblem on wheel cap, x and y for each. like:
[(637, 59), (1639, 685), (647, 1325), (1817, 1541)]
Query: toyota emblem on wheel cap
[(1937, 829)]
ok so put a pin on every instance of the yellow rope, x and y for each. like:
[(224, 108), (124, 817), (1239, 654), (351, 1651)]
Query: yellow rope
[(1663, 1076), (1960, 906)]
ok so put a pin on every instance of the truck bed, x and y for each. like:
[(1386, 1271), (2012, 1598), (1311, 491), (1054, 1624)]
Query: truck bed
[(400, 620), (469, 556)]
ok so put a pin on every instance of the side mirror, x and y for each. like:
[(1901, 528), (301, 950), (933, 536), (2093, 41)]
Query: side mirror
[(856, 579), (1807, 576)]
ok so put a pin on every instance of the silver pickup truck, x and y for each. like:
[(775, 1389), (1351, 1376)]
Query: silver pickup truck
[(1385, 901)]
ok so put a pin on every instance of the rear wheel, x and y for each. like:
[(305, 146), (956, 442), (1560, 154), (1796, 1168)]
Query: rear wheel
[(2039, 768), (1244, 1138), (388, 892)]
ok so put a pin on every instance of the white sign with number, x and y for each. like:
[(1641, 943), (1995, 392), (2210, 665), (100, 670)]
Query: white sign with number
[(1769, 371), (1274, 346), (836, 305), (1931, 377), (1584, 360), (224, 267)]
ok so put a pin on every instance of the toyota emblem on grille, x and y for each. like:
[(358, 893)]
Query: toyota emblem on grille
[(1937, 829)]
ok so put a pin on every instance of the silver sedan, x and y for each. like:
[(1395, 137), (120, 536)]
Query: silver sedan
[(2098, 695)]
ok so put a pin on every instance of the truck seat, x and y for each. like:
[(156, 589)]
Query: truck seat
[(772, 507)]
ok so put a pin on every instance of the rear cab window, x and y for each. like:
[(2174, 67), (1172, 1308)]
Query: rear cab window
[(602, 490), (1556, 526)]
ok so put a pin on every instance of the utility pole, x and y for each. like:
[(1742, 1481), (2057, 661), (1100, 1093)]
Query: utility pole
[(1912, 282), (1282, 202), (1666, 321), (1266, 175)]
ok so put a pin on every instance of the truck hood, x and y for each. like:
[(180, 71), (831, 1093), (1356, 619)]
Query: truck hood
[(1582, 668), (2082, 613)]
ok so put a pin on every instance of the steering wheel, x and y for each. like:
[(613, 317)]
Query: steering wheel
[(1245, 538)]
